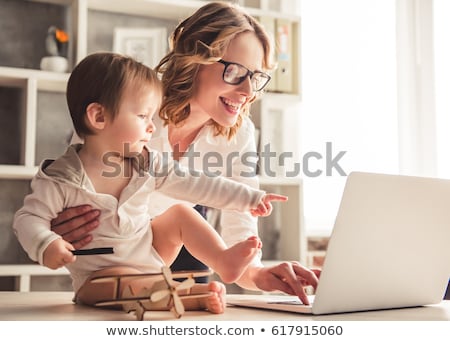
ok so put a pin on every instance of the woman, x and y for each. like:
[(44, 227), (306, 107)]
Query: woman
[(214, 71)]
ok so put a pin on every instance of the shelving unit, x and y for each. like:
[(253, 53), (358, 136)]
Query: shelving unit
[(79, 13), (287, 218), (23, 273), (30, 82)]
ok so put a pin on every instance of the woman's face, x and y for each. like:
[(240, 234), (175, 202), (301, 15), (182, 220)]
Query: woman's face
[(214, 99)]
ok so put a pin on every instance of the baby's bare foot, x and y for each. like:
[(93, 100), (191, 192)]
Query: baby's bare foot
[(205, 296), (250, 245), (215, 303), (235, 260)]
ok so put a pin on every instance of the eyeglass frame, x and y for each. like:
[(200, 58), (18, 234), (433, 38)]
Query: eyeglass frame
[(241, 79)]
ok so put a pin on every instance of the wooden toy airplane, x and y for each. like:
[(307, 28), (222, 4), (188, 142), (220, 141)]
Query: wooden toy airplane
[(147, 299)]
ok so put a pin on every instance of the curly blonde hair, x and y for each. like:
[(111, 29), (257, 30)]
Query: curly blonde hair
[(202, 39)]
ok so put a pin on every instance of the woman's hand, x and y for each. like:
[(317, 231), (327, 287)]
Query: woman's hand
[(288, 277), (264, 207), (74, 224)]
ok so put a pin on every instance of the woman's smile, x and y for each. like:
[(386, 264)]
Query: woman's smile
[(232, 107)]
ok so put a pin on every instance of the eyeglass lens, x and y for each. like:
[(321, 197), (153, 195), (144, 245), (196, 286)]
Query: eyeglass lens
[(235, 74)]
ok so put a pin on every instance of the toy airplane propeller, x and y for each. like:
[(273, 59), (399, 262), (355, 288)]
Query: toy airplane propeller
[(161, 296), (172, 290)]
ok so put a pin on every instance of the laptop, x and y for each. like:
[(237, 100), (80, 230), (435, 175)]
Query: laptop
[(389, 248)]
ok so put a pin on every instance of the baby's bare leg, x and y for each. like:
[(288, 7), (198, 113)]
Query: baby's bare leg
[(181, 224), (235, 260)]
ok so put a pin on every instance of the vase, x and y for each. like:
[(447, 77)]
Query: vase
[(55, 64)]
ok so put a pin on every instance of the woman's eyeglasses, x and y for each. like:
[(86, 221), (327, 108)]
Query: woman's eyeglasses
[(236, 73)]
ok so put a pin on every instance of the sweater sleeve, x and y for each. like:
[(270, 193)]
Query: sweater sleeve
[(32, 221), (197, 187)]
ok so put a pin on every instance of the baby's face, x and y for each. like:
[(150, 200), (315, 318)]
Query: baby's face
[(133, 125)]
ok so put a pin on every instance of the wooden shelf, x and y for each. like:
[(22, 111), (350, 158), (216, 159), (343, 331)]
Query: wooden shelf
[(17, 172), (266, 181), (23, 273), (45, 80), (169, 9), (165, 9)]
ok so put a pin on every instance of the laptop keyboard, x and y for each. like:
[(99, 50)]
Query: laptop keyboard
[(293, 302)]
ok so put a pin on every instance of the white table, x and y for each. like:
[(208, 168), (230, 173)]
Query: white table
[(51, 306)]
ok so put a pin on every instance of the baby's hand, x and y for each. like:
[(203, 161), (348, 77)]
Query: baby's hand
[(57, 254), (264, 207)]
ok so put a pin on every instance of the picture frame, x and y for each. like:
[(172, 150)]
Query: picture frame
[(146, 45)]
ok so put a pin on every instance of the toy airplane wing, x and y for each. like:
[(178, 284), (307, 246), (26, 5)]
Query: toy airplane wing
[(141, 298), (175, 275)]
